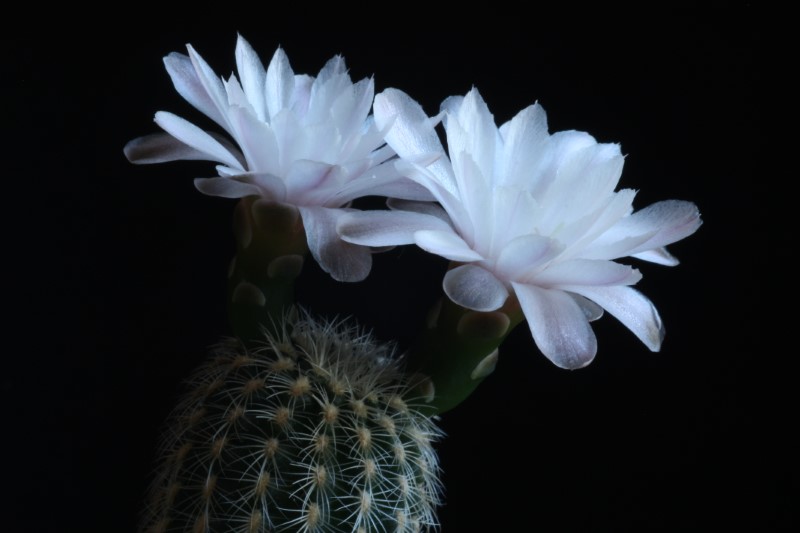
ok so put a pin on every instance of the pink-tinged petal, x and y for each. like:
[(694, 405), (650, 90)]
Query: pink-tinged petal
[(674, 219), (659, 256), (301, 94), (475, 288), (280, 83), (191, 135), (525, 254), (630, 307), (226, 187), (187, 83), (386, 228), (253, 77), (447, 244), (559, 325), (344, 261), (160, 148), (412, 132), (587, 272), (663, 223)]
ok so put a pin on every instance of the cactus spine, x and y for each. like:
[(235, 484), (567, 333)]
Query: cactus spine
[(317, 430)]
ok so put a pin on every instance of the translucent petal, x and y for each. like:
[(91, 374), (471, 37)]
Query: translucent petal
[(386, 228), (191, 135), (474, 287), (631, 308), (587, 272), (344, 261), (252, 76), (446, 244), (559, 325), (279, 83), (412, 132), (186, 81)]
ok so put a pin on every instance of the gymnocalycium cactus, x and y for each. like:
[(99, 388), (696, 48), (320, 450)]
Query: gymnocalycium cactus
[(303, 425), (316, 430)]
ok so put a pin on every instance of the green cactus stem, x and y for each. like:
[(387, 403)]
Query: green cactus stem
[(458, 349), (270, 251), (315, 431)]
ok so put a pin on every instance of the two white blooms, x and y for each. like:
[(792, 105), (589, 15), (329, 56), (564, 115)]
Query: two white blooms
[(530, 220)]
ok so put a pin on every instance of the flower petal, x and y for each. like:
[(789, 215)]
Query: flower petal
[(191, 135), (412, 132), (253, 77), (280, 83), (559, 325), (659, 256), (184, 77), (344, 261), (160, 148), (587, 272), (665, 222), (525, 254), (226, 187), (630, 307), (475, 288), (447, 244), (386, 228)]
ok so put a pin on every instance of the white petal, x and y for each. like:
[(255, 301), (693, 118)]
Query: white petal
[(306, 181), (226, 187), (675, 220), (525, 254), (446, 244), (471, 129), (212, 85), (253, 77), (428, 208), (186, 81), (631, 308), (383, 180), (475, 288), (280, 83), (386, 228), (558, 324), (590, 309), (257, 141), (344, 261), (587, 272), (659, 256), (525, 142), (663, 222), (412, 132), (193, 136), (160, 148)]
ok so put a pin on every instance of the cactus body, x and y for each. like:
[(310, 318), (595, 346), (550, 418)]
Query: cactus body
[(315, 431)]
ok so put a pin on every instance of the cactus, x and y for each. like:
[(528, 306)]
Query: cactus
[(316, 430)]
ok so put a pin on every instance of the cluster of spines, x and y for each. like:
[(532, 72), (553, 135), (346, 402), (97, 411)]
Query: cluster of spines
[(316, 431)]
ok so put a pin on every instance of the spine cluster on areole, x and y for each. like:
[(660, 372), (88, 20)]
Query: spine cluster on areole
[(317, 430)]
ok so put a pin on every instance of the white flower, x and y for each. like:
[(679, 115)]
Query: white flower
[(528, 214), (309, 142)]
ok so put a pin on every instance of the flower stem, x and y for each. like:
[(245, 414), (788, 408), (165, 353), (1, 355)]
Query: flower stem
[(270, 251), (458, 349)]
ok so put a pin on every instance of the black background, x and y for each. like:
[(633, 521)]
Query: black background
[(120, 269)]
